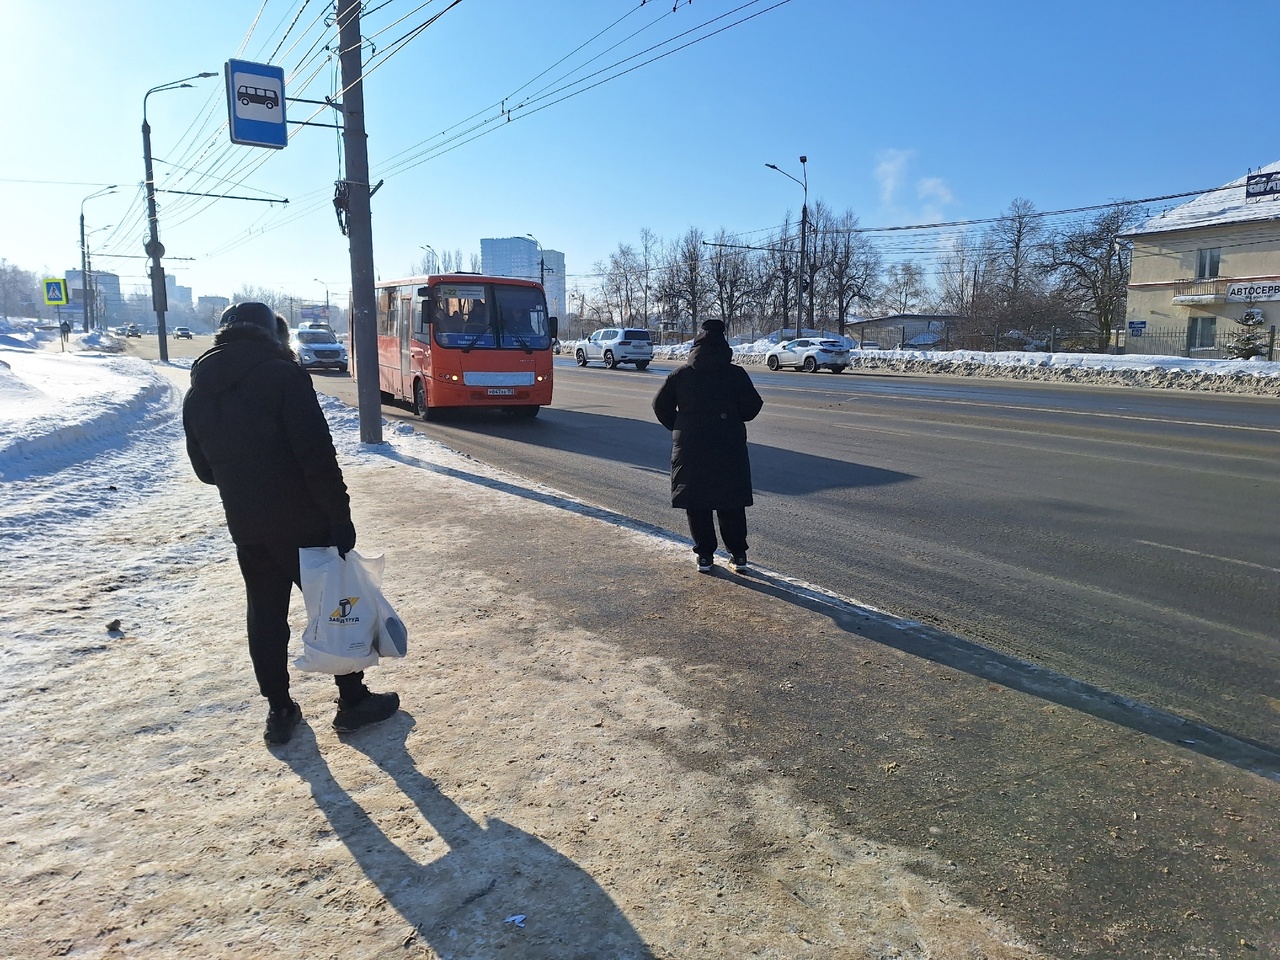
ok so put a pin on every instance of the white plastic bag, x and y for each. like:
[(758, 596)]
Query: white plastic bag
[(392, 639), (342, 601)]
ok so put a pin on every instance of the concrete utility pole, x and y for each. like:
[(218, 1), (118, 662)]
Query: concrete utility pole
[(87, 305), (364, 333)]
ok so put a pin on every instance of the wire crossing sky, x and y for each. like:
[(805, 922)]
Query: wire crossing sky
[(586, 123)]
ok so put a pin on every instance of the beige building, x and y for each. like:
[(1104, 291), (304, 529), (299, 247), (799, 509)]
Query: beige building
[(1199, 266)]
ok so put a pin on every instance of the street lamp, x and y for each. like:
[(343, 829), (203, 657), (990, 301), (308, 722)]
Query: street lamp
[(94, 291), (84, 255), (542, 263), (804, 227), (153, 247), (435, 260), (326, 296)]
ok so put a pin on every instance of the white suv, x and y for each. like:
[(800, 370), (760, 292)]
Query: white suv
[(616, 345)]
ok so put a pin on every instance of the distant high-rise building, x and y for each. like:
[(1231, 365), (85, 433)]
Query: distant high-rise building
[(210, 309), (178, 296), (106, 288), (520, 257)]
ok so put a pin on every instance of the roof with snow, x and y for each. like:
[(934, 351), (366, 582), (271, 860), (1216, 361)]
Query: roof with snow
[(1226, 204)]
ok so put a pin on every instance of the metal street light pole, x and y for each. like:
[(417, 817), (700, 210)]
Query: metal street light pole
[(84, 256), (153, 247), (542, 263), (326, 296), (435, 259), (804, 229)]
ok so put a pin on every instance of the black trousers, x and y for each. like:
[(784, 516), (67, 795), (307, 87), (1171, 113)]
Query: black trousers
[(733, 529), (270, 572)]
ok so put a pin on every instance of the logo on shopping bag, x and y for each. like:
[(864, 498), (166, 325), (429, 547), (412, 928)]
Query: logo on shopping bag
[(343, 613)]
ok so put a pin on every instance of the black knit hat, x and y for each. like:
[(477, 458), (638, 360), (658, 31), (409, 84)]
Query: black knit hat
[(252, 313), (713, 325)]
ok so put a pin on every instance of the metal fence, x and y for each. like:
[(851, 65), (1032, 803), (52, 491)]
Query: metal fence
[(1173, 344)]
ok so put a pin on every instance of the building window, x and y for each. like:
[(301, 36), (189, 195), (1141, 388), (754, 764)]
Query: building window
[(1202, 333), (1207, 262)]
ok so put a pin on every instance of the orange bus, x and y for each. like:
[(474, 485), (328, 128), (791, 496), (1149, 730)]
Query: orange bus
[(464, 340)]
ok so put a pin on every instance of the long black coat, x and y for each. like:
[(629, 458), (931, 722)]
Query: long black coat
[(255, 429), (706, 404)]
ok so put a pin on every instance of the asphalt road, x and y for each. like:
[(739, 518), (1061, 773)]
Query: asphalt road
[(1126, 538)]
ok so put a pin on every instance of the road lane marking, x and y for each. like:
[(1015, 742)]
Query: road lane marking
[(1210, 556)]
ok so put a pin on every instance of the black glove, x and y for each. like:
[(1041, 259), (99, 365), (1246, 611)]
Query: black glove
[(343, 536)]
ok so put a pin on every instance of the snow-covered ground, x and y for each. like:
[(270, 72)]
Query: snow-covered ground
[(142, 814)]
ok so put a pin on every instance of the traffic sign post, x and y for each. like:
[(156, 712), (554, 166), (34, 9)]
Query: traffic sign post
[(255, 104)]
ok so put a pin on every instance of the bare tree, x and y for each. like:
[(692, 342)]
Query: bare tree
[(777, 282), (731, 275), (686, 281), (1092, 270), (852, 266), (19, 291), (647, 263), (905, 288), (274, 299)]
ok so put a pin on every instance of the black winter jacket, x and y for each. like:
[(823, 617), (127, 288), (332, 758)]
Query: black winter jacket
[(706, 404), (255, 429)]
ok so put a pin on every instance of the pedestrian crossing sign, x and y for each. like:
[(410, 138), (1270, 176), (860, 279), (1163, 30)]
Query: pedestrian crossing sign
[(55, 292)]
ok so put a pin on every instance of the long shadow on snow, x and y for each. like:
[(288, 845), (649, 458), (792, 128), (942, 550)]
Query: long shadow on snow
[(459, 901)]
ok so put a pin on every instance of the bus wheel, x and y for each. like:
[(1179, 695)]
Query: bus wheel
[(420, 407)]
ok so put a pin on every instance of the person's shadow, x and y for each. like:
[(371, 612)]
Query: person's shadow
[(461, 903)]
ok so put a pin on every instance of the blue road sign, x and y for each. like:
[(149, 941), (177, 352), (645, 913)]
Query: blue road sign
[(1136, 327), (55, 292), (255, 104)]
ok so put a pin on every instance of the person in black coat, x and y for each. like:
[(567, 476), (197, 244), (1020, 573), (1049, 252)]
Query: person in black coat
[(255, 429), (706, 404)]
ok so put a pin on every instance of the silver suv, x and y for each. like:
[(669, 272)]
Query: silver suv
[(616, 345)]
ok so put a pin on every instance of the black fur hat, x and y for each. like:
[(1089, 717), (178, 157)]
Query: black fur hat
[(250, 312)]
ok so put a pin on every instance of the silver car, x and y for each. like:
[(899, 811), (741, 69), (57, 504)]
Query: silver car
[(319, 348), (809, 354)]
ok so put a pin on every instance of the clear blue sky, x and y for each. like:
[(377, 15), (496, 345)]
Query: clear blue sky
[(907, 112)]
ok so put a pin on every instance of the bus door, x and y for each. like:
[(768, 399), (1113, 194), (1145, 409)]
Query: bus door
[(405, 315)]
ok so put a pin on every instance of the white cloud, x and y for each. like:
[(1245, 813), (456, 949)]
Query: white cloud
[(890, 169), (935, 196)]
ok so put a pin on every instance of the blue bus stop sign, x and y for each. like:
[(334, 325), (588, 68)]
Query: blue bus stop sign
[(255, 104)]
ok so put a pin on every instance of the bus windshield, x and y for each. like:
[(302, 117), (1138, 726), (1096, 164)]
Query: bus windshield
[(490, 316)]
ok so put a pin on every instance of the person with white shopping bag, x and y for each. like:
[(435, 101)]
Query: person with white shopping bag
[(255, 430)]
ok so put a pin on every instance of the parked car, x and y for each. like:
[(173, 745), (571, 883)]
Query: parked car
[(132, 330), (319, 348), (616, 345), (182, 333), (315, 325), (869, 345), (809, 354)]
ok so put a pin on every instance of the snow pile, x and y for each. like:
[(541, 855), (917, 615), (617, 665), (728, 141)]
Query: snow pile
[(1254, 377)]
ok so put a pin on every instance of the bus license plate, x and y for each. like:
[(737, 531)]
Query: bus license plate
[(502, 391)]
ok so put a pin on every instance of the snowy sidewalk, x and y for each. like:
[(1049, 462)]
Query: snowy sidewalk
[(562, 781)]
